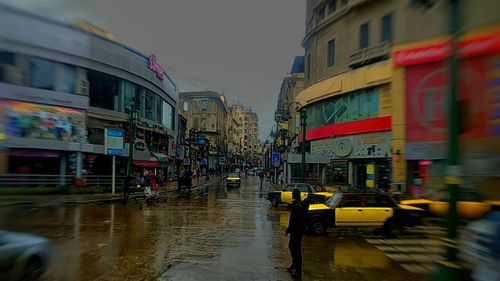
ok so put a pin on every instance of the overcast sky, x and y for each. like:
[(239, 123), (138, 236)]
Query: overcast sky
[(241, 47)]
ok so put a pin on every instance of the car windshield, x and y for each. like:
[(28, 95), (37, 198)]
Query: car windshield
[(334, 200), (233, 175)]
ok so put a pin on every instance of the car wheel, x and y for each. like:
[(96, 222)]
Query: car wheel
[(274, 202), (317, 227), (33, 270)]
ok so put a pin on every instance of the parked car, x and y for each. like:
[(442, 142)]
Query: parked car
[(284, 196), (361, 209), (233, 179), (22, 256)]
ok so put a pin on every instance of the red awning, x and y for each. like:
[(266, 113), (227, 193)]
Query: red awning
[(151, 163)]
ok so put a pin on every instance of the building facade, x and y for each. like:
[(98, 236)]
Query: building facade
[(207, 119), (248, 134), (62, 87), (357, 85)]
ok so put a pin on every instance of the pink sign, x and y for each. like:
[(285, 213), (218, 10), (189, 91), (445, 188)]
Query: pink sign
[(155, 67)]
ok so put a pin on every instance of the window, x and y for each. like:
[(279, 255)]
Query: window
[(6, 58), (386, 35), (332, 6), (204, 105), (168, 116), (290, 187), (129, 92), (364, 31), (66, 78), (103, 90), (321, 14), (308, 66), (41, 74), (350, 201), (149, 105), (378, 201), (185, 107), (159, 108), (331, 53)]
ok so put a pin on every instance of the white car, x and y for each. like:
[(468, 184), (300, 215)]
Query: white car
[(22, 256)]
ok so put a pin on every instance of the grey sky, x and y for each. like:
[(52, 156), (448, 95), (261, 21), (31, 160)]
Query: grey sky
[(242, 47)]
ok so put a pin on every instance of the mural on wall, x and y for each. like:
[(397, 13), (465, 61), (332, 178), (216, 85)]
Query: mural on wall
[(36, 121)]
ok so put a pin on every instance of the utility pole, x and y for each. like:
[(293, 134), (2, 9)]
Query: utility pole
[(303, 123), (132, 120)]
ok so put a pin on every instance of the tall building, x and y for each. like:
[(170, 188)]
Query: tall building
[(207, 119), (248, 133), (375, 86), (60, 89)]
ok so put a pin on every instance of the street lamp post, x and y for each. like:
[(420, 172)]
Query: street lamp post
[(132, 122)]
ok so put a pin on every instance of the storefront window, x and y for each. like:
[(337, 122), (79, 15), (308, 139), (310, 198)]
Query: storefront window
[(159, 109), (103, 90), (337, 173), (354, 106), (41, 74), (66, 78)]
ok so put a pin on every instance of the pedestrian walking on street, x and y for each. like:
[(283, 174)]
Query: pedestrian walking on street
[(296, 229), (126, 188)]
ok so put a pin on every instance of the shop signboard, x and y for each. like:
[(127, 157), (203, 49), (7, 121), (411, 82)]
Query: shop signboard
[(276, 157), (376, 145), (113, 141)]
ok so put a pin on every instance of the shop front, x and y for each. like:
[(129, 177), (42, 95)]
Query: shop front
[(426, 83), (357, 160)]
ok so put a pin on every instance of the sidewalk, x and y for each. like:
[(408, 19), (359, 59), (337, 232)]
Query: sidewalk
[(69, 199)]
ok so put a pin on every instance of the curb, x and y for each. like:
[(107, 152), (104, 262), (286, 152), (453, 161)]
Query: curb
[(97, 201)]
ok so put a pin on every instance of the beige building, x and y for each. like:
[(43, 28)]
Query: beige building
[(364, 60), (206, 114), (247, 133)]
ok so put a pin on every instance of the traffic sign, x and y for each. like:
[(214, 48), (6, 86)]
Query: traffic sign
[(113, 142), (276, 158)]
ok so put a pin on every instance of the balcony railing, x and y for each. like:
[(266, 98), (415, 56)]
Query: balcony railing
[(370, 55)]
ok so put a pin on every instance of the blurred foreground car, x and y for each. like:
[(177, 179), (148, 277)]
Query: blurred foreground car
[(361, 209), (480, 246), (22, 256), (306, 190), (470, 205), (233, 179)]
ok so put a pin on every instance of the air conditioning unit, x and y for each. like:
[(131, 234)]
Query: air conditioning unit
[(83, 87), (12, 74)]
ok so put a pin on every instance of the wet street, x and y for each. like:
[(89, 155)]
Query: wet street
[(214, 233)]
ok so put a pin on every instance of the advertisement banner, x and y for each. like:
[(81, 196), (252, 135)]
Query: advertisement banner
[(36, 121), (113, 141), (377, 145)]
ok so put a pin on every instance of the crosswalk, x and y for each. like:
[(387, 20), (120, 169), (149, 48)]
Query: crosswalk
[(417, 251)]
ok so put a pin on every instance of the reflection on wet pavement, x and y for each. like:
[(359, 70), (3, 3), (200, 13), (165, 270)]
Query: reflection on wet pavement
[(211, 234)]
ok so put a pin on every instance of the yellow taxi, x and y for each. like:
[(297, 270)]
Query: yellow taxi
[(233, 179), (361, 209), (284, 196), (470, 205)]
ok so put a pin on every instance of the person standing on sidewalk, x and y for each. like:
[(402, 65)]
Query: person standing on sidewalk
[(296, 229)]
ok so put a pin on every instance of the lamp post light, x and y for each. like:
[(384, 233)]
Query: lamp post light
[(134, 115), (303, 123)]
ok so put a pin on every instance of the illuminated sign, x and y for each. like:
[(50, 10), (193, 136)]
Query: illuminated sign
[(155, 67)]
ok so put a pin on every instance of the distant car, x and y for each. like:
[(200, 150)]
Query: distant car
[(233, 179), (306, 190), (361, 209), (252, 172), (22, 256)]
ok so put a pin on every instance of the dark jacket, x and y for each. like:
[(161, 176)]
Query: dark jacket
[(297, 222)]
